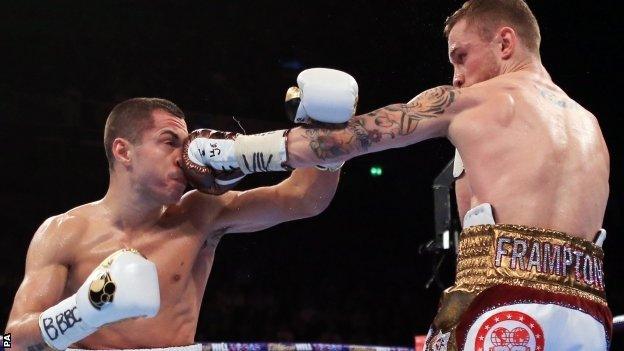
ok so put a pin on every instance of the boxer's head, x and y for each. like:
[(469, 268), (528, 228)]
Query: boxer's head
[(488, 37), (143, 140)]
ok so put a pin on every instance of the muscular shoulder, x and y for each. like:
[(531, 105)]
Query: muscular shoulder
[(64, 226), (57, 235), (485, 104), (498, 91)]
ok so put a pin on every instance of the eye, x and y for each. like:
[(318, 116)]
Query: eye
[(461, 57)]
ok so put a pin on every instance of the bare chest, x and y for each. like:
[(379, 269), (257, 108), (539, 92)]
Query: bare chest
[(174, 251)]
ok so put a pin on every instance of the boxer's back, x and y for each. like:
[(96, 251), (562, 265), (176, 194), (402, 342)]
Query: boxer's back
[(540, 160)]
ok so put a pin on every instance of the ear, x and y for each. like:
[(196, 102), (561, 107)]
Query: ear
[(508, 42), (122, 150)]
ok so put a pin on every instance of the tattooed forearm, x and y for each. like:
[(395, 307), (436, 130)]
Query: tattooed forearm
[(324, 144), (332, 143), (383, 124), (362, 137)]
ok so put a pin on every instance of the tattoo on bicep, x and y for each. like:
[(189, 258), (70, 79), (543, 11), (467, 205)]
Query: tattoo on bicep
[(386, 125), (428, 104), (364, 137)]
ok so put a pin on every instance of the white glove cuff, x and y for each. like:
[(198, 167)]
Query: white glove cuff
[(263, 152), (330, 167), (61, 325)]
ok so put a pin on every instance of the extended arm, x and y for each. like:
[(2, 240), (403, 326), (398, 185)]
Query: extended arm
[(428, 115), (307, 192)]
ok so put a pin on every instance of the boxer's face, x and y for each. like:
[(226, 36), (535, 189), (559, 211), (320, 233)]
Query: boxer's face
[(474, 60), (156, 173)]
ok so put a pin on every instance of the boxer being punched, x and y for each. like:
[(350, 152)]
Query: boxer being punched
[(532, 187), (146, 249)]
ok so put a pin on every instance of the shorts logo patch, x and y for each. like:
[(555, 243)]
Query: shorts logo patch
[(510, 331)]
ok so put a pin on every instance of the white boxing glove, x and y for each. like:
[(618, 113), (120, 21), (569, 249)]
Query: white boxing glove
[(264, 152), (237, 156), (123, 286), (324, 95)]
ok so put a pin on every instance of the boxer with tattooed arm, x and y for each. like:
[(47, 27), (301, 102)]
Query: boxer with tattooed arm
[(532, 172)]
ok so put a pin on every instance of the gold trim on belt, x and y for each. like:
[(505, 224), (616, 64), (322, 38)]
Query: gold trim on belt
[(537, 258)]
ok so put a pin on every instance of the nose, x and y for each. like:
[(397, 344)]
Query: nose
[(178, 159)]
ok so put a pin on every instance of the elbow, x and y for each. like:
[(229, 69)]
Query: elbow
[(18, 340), (315, 208), (12, 327), (311, 208), (25, 332), (308, 192), (305, 205), (316, 202)]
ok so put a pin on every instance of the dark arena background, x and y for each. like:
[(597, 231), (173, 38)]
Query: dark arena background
[(354, 274)]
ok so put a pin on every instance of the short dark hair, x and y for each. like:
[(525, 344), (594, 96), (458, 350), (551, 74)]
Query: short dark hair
[(490, 13), (130, 118)]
